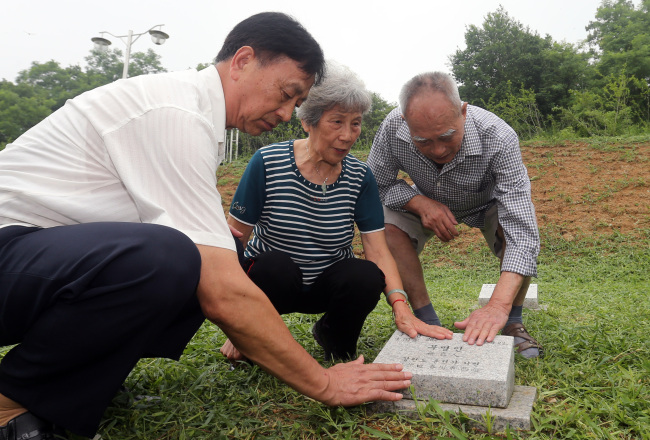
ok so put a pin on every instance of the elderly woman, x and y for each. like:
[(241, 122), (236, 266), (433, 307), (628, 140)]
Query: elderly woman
[(301, 199)]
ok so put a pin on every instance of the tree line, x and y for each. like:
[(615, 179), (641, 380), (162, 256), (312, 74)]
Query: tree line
[(44, 87), (540, 86)]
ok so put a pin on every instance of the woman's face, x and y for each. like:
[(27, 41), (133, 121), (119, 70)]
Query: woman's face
[(334, 134)]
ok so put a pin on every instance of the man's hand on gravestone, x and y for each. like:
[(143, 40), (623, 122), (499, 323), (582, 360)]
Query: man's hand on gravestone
[(353, 383), (407, 323), (483, 324)]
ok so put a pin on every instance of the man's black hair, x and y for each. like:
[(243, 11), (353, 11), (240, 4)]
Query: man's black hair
[(271, 35)]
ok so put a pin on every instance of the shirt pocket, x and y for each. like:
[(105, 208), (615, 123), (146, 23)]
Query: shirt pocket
[(472, 187)]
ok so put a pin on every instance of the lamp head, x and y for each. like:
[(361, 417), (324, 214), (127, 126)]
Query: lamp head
[(158, 37), (101, 43)]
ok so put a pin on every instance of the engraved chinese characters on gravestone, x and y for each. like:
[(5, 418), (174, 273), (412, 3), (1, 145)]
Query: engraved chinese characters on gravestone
[(453, 371)]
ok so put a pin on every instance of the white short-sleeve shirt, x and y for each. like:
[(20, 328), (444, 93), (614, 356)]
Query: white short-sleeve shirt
[(142, 150)]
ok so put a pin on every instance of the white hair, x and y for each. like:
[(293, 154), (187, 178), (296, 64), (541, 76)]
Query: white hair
[(339, 87), (434, 81)]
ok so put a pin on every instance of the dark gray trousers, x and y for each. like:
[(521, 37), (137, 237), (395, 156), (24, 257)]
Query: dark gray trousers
[(346, 292), (84, 303)]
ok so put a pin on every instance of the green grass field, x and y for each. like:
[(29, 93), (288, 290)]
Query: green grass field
[(593, 383)]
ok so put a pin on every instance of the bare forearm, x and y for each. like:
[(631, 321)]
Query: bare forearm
[(244, 313), (393, 281), (417, 204), (506, 290), (434, 216), (245, 229), (376, 250)]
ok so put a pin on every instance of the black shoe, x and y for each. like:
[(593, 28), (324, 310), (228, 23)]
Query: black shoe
[(331, 351), (29, 427)]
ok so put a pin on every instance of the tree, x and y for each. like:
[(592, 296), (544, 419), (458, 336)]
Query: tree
[(519, 109), (503, 51), (373, 119), (564, 68), (610, 110), (620, 42), (620, 36), (45, 87), (21, 107), (55, 82), (106, 66)]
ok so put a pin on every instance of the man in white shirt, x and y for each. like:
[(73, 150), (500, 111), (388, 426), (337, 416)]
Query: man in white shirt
[(114, 245)]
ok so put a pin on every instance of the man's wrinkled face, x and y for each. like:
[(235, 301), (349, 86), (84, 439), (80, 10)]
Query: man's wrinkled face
[(437, 127), (270, 92)]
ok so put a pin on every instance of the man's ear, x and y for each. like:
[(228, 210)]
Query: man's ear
[(241, 61)]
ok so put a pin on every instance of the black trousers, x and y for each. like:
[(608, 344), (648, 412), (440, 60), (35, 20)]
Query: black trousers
[(345, 292), (84, 303)]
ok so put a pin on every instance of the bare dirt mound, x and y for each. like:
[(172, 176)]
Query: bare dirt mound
[(585, 189), (578, 188)]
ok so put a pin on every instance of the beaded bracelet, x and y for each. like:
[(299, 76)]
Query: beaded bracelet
[(390, 292)]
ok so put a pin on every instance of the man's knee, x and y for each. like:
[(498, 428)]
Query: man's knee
[(393, 230), (399, 240)]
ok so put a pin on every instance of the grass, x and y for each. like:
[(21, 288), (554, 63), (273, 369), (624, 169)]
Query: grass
[(593, 383)]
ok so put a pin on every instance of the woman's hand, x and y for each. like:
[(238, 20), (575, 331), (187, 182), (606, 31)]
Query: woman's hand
[(231, 352), (407, 323)]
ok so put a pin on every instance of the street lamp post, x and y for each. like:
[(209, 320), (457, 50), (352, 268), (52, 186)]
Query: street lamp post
[(157, 36)]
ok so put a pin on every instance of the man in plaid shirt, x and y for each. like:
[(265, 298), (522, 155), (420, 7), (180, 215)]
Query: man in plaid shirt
[(466, 166)]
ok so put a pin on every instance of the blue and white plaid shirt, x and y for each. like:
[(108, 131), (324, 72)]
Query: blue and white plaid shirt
[(487, 169)]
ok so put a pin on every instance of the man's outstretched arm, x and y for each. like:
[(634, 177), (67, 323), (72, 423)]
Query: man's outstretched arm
[(233, 302)]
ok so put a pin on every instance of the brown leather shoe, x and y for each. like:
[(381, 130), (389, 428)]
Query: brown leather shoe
[(29, 427)]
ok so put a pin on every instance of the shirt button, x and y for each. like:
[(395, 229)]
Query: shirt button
[(438, 184)]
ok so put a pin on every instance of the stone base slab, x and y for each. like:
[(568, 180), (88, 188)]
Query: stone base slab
[(516, 414)]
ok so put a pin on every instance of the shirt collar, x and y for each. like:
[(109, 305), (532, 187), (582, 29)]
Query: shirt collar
[(403, 132), (471, 145), (212, 83)]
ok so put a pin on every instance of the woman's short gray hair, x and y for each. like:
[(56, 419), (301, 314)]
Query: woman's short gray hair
[(434, 81), (339, 87)]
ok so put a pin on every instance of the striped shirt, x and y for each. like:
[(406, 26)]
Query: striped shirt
[(487, 169), (292, 215)]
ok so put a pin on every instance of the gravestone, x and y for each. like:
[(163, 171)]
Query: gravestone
[(477, 380), (452, 371), (530, 302)]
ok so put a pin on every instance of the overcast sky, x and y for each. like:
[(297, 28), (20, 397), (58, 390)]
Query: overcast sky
[(386, 43)]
